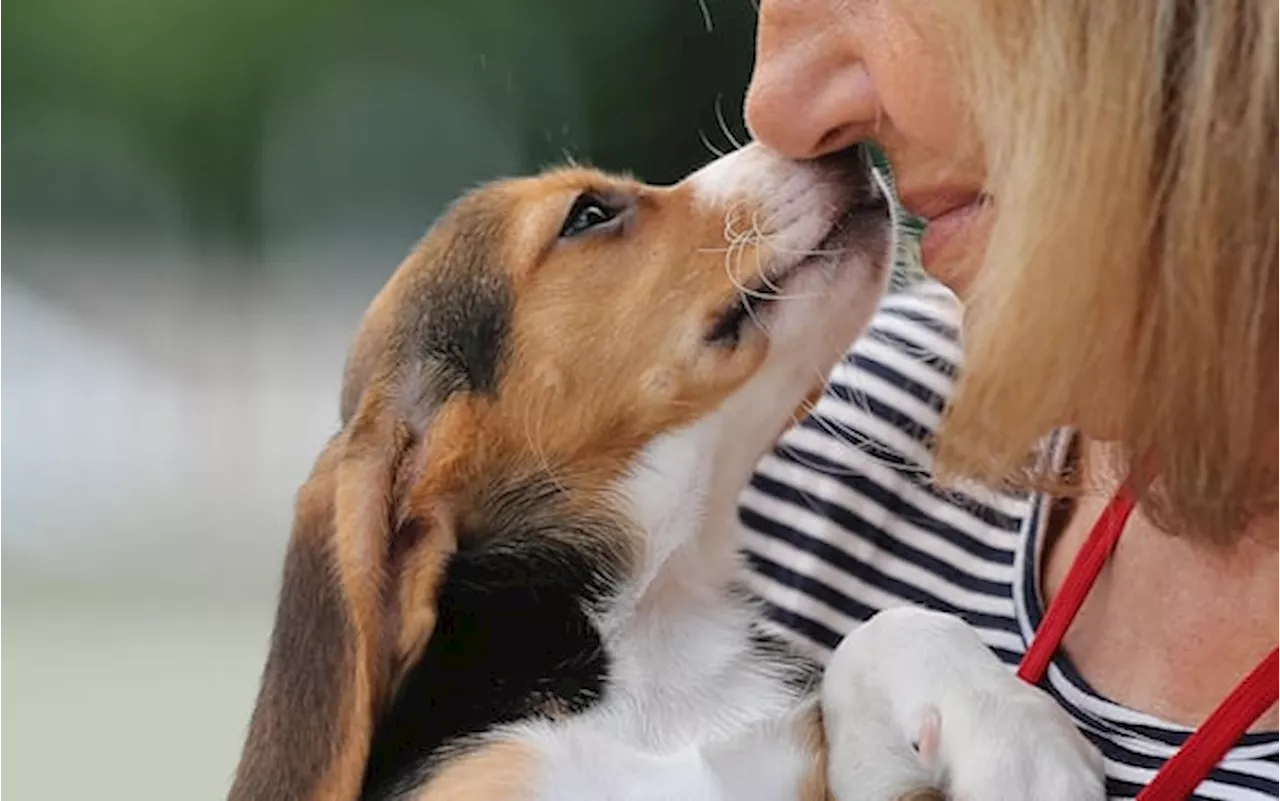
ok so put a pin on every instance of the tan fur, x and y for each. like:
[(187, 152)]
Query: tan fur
[(814, 738), (495, 772), (606, 352)]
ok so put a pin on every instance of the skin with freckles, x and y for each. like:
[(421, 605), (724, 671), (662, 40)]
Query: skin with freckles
[(1163, 631)]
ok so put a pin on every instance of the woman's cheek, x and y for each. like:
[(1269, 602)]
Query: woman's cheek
[(909, 60), (923, 101)]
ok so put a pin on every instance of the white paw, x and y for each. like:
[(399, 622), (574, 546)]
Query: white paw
[(914, 699)]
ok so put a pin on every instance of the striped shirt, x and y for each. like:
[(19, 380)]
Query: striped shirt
[(841, 521)]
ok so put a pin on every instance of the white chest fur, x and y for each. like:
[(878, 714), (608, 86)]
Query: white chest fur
[(691, 710), (689, 714)]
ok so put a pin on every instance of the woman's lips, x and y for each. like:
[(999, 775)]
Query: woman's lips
[(946, 217)]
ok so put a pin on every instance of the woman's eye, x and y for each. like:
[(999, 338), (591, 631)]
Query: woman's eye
[(588, 211)]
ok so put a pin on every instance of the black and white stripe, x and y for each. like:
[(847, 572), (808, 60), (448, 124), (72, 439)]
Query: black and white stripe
[(841, 521)]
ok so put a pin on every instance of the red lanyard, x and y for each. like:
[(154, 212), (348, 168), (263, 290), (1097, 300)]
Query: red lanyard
[(1180, 776)]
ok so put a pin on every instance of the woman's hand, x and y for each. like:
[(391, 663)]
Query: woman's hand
[(913, 700)]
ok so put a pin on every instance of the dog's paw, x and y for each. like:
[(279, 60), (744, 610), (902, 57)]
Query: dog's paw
[(1018, 745), (913, 700)]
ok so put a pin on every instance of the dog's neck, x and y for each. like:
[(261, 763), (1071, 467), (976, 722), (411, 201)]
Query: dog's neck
[(682, 637), (683, 499)]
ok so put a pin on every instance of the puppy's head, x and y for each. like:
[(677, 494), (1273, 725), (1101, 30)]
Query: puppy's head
[(597, 311), (519, 370)]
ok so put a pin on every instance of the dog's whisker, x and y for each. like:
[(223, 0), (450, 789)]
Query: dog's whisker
[(764, 277), (706, 142), (811, 251), (799, 457), (732, 267), (754, 318), (761, 294), (706, 14), (735, 252), (730, 224), (738, 242), (724, 126), (846, 434), (760, 272), (748, 294), (837, 431), (533, 439)]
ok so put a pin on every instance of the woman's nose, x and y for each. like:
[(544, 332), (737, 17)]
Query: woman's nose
[(810, 93)]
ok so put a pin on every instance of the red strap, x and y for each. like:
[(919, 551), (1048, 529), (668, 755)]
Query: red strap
[(1084, 571), (1180, 776), (1253, 696)]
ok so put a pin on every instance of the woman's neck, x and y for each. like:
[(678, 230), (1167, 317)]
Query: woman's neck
[(1173, 623)]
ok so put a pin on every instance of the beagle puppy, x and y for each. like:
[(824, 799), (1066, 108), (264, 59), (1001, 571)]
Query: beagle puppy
[(513, 571)]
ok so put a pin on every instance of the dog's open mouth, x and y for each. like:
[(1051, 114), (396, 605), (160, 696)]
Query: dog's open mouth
[(753, 301)]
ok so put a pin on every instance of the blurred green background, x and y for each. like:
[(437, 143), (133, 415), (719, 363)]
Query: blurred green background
[(238, 122), (199, 199)]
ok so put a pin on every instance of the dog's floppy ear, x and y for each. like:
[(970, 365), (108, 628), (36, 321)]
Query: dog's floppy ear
[(302, 712), (340, 638)]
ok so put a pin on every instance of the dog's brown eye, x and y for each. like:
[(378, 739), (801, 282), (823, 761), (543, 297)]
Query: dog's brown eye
[(588, 212)]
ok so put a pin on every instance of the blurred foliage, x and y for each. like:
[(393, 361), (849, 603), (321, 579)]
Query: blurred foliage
[(219, 117)]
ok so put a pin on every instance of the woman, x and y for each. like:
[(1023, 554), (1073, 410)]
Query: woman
[(1098, 183)]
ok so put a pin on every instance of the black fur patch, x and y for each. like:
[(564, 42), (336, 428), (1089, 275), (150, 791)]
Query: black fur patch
[(452, 318), (456, 319), (513, 640)]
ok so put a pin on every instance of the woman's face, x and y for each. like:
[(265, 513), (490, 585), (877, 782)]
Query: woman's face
[(829, 73)]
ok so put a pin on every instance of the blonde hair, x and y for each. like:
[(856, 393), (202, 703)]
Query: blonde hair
[(1129, 285)]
